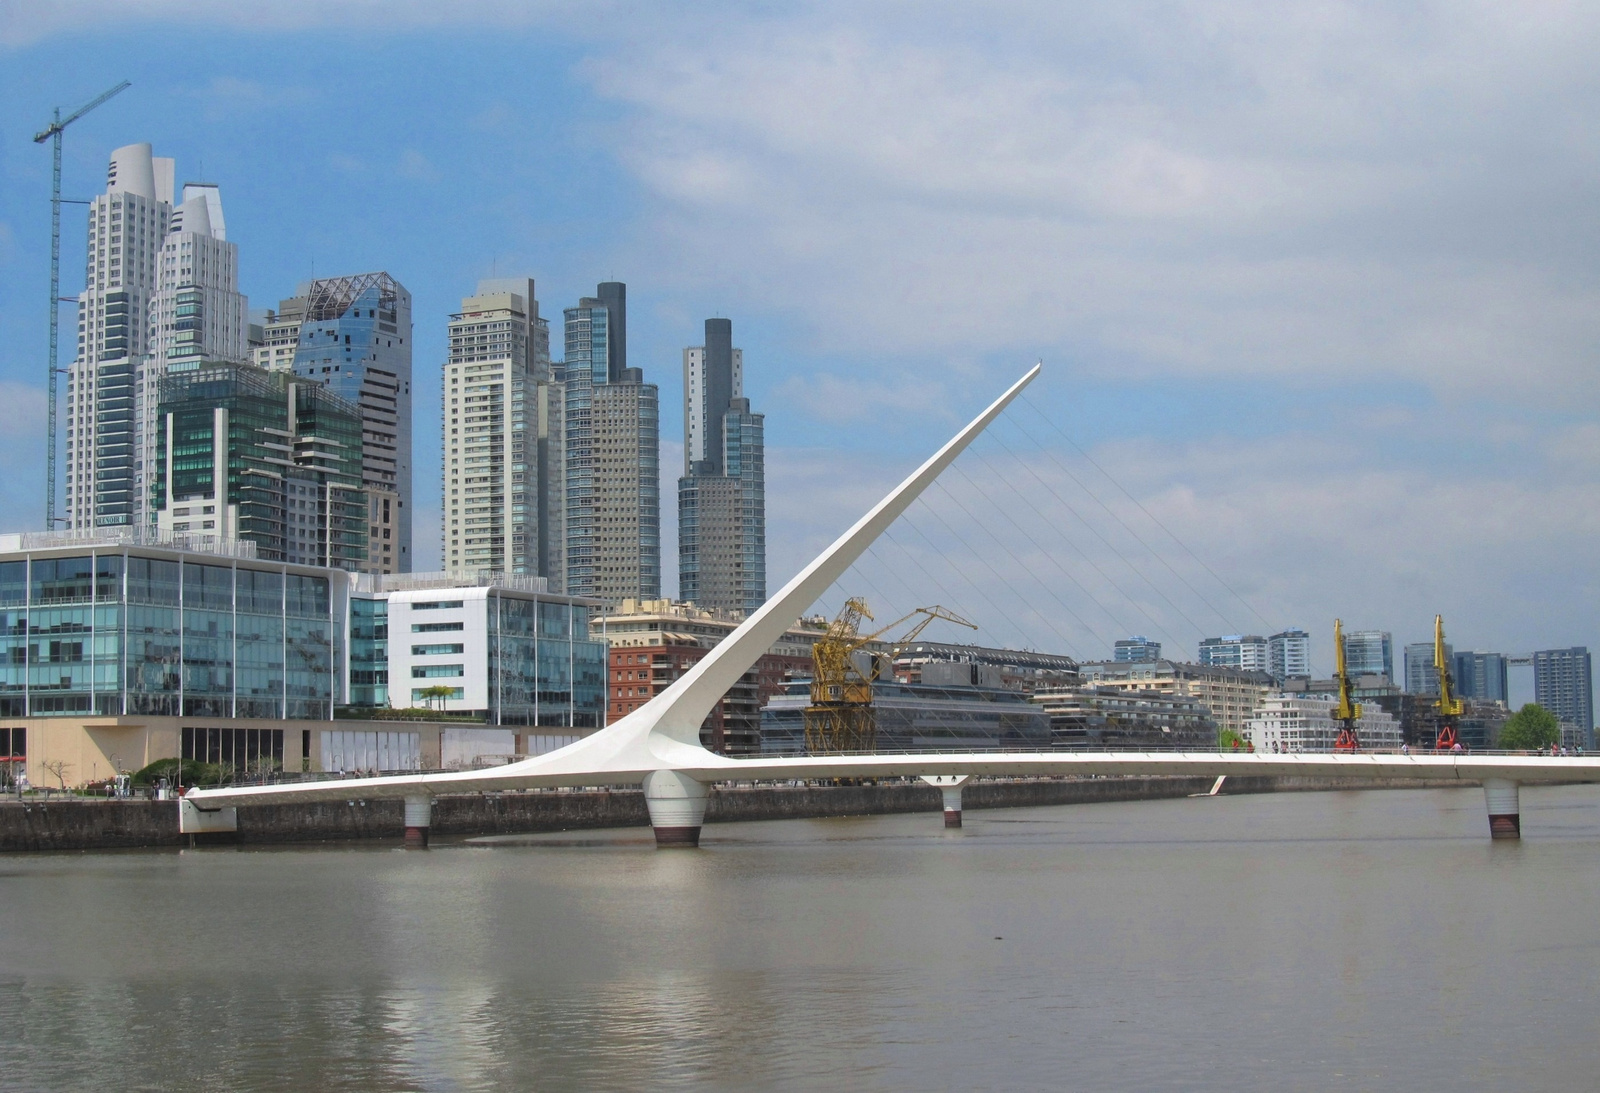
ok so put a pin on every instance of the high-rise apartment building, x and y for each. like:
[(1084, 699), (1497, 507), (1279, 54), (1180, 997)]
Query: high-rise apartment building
[(1481, 676), (1421, 676), (722, 507), (197, 316), (1289, 655), (1369, 653), (613, 457), (127, 228), (503, 506), (263, 457), (353, 336), (1247, 652), (1136, 650), (1563, 683)]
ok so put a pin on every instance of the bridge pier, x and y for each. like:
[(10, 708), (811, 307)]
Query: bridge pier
[(677, 805), (950, 786), (419, 817), (1501, 795)]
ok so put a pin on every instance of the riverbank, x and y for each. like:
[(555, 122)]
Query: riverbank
[(45, 825)]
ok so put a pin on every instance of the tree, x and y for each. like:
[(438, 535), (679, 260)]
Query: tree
[(58, 768), (438, 692), (1530, 728)]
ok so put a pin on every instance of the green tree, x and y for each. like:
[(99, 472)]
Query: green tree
[(437, 693), (1531, 727)]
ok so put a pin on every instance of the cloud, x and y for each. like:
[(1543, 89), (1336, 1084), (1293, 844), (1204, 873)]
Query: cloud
[(417, 167), (1322, 191)]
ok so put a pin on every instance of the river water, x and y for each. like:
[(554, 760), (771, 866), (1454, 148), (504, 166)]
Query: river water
[(1296, 941)]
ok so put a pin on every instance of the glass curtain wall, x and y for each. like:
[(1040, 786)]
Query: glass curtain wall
[(543, 669), (113, 634)]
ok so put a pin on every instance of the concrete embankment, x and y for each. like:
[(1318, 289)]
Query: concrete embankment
[(101, 825)]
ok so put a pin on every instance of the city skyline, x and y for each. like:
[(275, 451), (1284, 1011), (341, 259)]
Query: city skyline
[(1169, 430)]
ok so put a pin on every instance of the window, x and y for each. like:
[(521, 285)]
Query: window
[(437, 671), (435, 650), (435, 605)]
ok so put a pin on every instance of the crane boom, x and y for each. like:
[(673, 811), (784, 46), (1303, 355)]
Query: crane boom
[(52, 133), (1447, 704), (1348, 711)]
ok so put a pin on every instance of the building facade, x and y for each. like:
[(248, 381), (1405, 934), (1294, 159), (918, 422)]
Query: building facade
[(653, 643), (1369, 653), (1421, 676), (503, 501), (353, 336), (1136, 650), (1089, 717), (255, 455), (128, 226), (1291, 723), (1563, 683), (1289, 655), (965, 710), (1230, 694), (1022, 670), (722, 509), (1482, 676), (613, 457), (1247, 652)]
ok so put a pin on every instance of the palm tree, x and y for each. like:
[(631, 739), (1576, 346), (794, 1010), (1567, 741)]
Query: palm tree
[(438, 692)]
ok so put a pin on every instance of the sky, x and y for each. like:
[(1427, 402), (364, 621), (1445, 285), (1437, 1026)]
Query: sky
[(1315, 286)]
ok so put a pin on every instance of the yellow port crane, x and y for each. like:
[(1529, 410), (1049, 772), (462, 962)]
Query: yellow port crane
[(1447, 704), (1348, 711), (840, 717)]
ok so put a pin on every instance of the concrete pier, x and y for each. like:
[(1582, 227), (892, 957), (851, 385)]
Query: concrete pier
[(1503, 798), (677, 807), (419, 817), (949, 786)]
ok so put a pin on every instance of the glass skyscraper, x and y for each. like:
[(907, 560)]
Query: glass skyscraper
[(1563, 683), (1369, 653)]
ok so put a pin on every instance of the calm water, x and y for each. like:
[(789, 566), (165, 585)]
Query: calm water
[(1294, 941)]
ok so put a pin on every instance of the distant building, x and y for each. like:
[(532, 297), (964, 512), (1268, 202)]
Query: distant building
[(1136, 650), (961, 707), (1481, 676), (503, 507), (1246, 652), (722, 508), (1292, 723), (1421, 676), (1369, 653), (1563, 683), (353, 335), (1092, 717), (1020, 669), (1289, 655), (1231, 695), (654, 642), (262, 457), (613, 454)]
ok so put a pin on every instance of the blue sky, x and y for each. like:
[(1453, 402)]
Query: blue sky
[(1317, 284)]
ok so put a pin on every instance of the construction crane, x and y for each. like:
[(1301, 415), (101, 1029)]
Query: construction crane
[(1447, 704), (1348, 711), (840, 717), (52, 133)]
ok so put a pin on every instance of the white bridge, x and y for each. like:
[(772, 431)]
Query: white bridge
[(658, 745)]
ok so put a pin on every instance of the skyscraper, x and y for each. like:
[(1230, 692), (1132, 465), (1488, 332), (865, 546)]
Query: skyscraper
[(1481, 675), (197, 316), (353, 336), (127, 226), (504, 503), (613, 456), (260, 456), (1289, 655), (1421, 677), (1563, 683), (722, 506), (1369, 653)]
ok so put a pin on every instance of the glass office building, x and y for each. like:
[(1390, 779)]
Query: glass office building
[(113, 629)]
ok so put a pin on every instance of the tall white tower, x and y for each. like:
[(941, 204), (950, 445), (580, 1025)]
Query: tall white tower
[(127, 225)]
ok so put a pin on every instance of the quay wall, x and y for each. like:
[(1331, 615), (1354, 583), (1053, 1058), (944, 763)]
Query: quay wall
[(65, 824)]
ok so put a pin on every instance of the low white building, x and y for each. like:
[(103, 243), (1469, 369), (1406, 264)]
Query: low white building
[(1304, 722)]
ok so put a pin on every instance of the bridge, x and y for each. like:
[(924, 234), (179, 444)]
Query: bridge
[(658, 745)]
